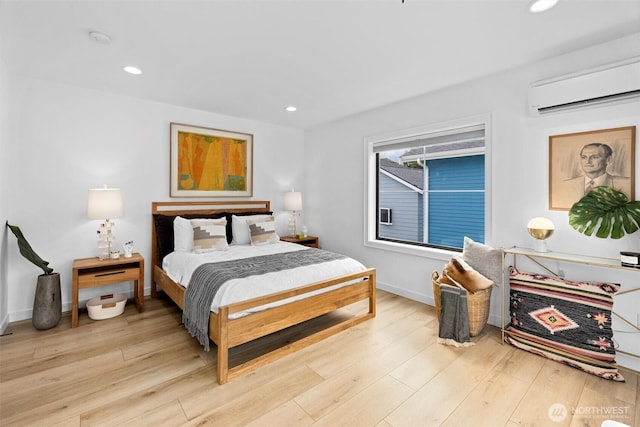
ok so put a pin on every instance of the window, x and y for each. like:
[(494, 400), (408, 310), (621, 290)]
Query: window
[(385, 216), (433, 180)]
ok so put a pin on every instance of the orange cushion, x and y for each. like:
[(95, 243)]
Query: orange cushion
[(443, 279), (462, 273)]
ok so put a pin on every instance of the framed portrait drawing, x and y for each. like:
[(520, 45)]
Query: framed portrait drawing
[(210, 162), (580, 161)]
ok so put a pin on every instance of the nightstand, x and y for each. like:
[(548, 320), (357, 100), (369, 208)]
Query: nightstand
[(93, 272), (311, 241)]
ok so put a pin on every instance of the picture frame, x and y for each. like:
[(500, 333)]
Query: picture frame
[(207, 162), (575, 158)]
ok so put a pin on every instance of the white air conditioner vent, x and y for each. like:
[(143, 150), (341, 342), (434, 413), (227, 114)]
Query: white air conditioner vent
[(612, 83)]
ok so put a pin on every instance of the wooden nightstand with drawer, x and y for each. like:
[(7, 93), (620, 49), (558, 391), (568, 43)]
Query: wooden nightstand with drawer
[(93, 272), (311, 241)]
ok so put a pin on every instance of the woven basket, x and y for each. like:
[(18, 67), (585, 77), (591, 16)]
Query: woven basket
[(478, 304)]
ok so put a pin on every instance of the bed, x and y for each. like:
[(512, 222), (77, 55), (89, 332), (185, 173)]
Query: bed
[(235, 323)]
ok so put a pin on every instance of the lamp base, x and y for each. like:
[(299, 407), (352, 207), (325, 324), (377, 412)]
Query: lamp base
[(293, 226), (541, 246), (105, 239)]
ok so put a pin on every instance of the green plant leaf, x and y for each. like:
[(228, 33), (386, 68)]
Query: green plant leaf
[(27, 251), (606, 211)]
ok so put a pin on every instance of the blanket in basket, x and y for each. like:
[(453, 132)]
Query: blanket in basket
[(454, 317)]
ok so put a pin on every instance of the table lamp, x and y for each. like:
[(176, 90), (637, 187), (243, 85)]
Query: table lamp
[(540, 229), (105, 204), (293, 203)]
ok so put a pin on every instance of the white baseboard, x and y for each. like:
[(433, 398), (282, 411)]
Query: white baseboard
[(494, 319), (407, 294), (16, 316), (4, 323), (629, 362)]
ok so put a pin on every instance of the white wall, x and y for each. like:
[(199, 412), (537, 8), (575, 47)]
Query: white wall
[(57, 141), (519, 159), (65, 140), (4, 164)]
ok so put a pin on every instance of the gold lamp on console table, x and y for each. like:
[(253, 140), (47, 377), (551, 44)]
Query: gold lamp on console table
[(105, 204), (540, 229)]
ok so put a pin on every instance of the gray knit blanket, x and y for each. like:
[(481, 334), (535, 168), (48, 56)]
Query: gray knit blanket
[(454, 317), (208, 278)]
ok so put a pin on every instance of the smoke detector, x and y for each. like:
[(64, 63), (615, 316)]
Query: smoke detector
[(100, 37)]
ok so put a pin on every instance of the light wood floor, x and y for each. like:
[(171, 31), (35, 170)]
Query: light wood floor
[(145, 369)]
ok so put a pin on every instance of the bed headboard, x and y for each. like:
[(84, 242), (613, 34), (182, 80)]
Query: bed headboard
[(163, 214)]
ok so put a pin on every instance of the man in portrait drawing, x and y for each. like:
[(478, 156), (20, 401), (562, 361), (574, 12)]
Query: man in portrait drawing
[(595, 158)]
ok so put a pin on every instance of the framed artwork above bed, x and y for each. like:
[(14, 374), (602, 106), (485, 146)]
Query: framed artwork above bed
[(210, 162)]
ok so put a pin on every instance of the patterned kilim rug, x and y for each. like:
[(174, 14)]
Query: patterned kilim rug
[(569, 322)]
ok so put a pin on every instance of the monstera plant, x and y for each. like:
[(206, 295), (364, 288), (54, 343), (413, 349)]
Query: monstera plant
[(606, 211)]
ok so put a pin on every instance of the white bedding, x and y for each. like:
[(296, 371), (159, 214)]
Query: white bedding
[(179, 266)]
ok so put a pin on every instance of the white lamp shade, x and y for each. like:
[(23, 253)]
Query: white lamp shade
[(104, 203), (540, 223), (292, 201)]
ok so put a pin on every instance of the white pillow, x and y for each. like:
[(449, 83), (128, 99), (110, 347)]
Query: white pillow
[(209, 235), (263, 231), (240, 228), (182, 235)]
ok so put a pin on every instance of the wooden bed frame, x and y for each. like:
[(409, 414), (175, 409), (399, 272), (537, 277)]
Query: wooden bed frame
[(227, 333)]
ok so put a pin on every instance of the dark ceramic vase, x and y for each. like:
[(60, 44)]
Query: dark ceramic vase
[(47, 304)]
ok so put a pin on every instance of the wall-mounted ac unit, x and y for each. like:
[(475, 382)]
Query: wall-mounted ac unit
[(611, 83)]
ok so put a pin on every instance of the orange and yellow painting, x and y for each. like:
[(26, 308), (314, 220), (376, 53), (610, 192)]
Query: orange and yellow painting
[(209, 162)]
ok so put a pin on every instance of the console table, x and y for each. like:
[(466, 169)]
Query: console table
[(538, 257)]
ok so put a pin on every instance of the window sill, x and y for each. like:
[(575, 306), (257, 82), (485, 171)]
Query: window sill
[(421, 251)]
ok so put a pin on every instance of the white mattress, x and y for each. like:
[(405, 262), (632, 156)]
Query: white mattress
[(179, 266)]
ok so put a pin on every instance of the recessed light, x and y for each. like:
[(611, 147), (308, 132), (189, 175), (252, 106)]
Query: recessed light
[(290, 108), (541, 5), (132, 70)]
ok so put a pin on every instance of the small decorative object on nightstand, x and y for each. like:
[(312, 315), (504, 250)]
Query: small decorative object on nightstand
[(303, 233), (128, 249), (93, 272), (311, 241)]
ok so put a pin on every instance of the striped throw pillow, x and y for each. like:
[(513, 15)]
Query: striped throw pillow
[(209, 235), (263, 231)]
